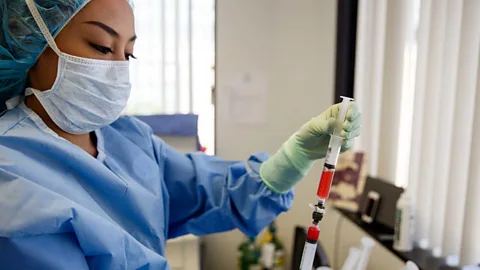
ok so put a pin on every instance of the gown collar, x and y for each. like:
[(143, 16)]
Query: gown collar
[(42, 126)]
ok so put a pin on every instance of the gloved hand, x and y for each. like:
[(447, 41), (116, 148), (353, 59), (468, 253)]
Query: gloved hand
[(297, 155)]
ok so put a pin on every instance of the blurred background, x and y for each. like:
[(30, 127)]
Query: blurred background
[(254, 71)]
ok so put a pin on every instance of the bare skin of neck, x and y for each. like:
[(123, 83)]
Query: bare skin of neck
[(85, 141)]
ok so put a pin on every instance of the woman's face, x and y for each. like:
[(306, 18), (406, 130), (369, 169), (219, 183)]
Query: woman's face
[(103, 29)]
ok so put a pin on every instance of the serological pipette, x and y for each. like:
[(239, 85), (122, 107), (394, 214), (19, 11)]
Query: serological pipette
[(324, 186)]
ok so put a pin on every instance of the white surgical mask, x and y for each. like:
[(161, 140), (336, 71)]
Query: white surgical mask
[(87, 94)]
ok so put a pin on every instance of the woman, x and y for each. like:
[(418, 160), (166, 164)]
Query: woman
[(82, 188)]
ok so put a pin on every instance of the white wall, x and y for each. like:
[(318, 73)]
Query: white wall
[(293, 44)]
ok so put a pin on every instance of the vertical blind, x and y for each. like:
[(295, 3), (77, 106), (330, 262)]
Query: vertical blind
[(175, 52), (417, 82)]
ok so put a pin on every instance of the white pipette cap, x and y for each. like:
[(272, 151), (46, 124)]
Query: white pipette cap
[(424, 244), (368, 242), (453, 260), (347, 98), (437, 252), (410, 266)]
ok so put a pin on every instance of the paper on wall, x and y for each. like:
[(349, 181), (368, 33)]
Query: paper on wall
[(248, 98)]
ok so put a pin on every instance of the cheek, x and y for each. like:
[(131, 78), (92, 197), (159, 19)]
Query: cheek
[(43, 75)]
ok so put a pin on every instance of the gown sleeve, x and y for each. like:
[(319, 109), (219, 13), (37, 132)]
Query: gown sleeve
[(26, 242), (42, 252), (211, 195)]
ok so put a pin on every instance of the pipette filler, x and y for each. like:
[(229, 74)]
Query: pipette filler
[(324, 186)]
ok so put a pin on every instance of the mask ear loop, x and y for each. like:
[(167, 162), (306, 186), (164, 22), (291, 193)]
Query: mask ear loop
[(43, 27)]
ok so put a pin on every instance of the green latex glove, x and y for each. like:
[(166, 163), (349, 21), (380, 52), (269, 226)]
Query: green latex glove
[(297, 155)]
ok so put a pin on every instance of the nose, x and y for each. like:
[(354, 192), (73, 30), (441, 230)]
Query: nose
[(119, 56)]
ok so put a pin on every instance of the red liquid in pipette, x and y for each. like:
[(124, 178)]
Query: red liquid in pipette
[(325, 183)]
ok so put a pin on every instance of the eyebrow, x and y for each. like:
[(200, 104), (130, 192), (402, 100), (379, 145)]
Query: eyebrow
[(108, 29)]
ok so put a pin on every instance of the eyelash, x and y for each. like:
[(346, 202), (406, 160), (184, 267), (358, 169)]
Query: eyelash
[(129, 56), (101, 49), (106, 50)]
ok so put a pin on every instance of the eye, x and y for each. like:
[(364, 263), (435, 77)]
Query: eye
[(129, 56), (101, 49)]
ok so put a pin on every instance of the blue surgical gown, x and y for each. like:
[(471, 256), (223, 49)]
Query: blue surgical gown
[(61, 208)]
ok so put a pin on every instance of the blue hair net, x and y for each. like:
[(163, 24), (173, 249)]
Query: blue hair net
[(21, 41)]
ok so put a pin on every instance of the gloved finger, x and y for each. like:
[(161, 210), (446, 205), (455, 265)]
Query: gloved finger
[(350, 125), (355, 117), (350, 134), (355, 133), (353, 112), (346, 145)]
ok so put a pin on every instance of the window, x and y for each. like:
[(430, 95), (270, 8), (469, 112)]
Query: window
[(418, 78), (408, 95), (173, 72)]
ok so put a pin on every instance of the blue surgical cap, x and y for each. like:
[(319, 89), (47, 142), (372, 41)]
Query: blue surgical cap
[(21, 41)]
